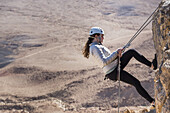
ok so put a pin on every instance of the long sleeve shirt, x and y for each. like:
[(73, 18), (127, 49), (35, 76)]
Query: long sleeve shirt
[(107, 60)]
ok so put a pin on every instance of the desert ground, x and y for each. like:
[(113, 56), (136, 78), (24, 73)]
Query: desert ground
[(42, 69)]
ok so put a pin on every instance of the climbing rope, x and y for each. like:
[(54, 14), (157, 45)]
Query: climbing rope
[(145, 24), (119, 83)]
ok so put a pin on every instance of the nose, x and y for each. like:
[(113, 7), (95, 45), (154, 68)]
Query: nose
[(102, 37)]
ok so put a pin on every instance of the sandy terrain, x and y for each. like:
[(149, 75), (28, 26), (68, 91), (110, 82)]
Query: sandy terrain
[(41, 65)]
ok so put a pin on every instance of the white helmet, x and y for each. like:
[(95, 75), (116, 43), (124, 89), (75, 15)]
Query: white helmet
[(95, 30)]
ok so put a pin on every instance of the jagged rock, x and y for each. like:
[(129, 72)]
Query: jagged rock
[(161, 37)]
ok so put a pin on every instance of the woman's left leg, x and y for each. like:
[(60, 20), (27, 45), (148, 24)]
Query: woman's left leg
[(126, 57), (128, 78)]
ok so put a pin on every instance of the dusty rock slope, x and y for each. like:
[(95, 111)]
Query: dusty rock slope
[(43, 40)]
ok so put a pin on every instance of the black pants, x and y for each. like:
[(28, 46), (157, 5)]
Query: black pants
[(128, 78)]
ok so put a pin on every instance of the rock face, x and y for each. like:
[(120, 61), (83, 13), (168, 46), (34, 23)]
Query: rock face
[(161, 37)]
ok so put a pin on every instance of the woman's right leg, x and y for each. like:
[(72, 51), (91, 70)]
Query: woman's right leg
[(128, 78), (126, 57)]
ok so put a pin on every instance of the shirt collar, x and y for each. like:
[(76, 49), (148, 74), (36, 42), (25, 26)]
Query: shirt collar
[(95, 43)]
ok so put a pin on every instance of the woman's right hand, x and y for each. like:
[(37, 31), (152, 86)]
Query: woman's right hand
[(119, 51)]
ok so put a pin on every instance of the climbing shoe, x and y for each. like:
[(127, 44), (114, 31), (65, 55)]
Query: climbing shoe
[(153, 105), (154, 62)]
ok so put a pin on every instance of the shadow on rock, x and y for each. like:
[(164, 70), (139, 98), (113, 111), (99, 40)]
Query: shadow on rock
[(11, 45), (4, 53)]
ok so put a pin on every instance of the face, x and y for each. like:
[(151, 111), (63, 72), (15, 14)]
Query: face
[(99, 38)]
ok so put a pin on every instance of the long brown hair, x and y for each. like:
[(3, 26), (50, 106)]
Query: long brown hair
[(87, 47)]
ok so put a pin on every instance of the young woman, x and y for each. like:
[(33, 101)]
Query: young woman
[(109, 61)]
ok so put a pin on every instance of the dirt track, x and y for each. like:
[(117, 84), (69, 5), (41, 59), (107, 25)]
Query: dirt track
[(44, 40)]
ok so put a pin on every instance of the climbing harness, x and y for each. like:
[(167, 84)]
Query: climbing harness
[(146, 23)]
